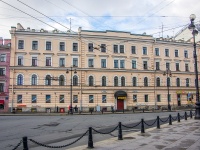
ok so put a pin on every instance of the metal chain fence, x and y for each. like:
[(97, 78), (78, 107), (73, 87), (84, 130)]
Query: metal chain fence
[(105, 132), (150, 124), (175, 118), (17, 145), (165, 120)]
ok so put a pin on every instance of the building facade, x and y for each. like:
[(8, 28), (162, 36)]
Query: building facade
[(4, 75), (97, 69)]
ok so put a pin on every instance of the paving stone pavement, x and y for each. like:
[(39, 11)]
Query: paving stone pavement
[(184, 135)]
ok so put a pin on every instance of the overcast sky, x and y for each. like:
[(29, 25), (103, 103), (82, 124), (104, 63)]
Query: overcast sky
[(135, 16)]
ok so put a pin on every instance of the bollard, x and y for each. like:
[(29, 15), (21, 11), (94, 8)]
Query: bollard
[(190, 114), (178, 117), (25, 143), (170, 120), (158, 122), (120, 131), (90, 140), (185, 115), (142, 126)]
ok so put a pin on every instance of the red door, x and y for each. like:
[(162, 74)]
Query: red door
[(120, 104)]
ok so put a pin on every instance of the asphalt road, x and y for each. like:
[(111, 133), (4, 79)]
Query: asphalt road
[(61, 130)]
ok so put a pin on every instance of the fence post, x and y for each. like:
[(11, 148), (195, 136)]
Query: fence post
[(185, 115), (170, 120), (142, 126), (90, 140), (120, 131), (25, 143), (178, 117), (158, 122), (190, 114)]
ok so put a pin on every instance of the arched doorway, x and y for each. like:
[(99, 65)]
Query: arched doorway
[(120, 97)]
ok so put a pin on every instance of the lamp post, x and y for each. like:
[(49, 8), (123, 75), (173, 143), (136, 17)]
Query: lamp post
[(194, 33), (71, 69), (169, 74)]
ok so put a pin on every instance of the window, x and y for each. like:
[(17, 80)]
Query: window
[(48, 98), (134, 81), (167, 52), (115, 63), (186, 67), (75, 47), (34, 79), (20, 60), (157, 52), (187, 82), (185, 53), (133, 50), (62, 46), (177, 67), (144, 64), (103, 47), (115, 48), (169, 97), (146, 98), (90, 62), (34, 61), (168, 81), (61, 62), (2, 71), (48, 61), (91, 81), (61, 98), (19, 79), (90, 47), (75, 62), (34, 98), (167, 65), (115, 81), (75, 98), (133, 64), (1, 87), (48, 80), (144, 50), (21, 44), (178, 82), (34, 45), (3, 58), (134, 98), (48, 45), (103, 81), (121, 48), (122, 81), (19, 99), (157, 81), (157, 65), (103, 63), (145, 81), (61, 80), (158, 98), (122, 64), (91, 98), (176, 53), (75, 80), (103, 98)]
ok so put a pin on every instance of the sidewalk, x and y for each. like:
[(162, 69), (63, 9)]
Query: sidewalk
[(184, 135)]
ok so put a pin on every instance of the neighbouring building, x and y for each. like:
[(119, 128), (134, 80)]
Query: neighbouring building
[(97, 69), (4, 74)]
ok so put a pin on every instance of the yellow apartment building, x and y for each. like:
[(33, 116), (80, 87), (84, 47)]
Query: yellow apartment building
[(97, 69)]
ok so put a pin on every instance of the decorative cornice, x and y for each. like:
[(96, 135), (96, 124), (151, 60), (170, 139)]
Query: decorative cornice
[(34, 53), (61, 54), (22, 53), (91, 55)]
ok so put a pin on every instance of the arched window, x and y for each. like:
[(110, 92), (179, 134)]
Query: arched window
[(61, 80), (103, 81), (91, 81), (178, 82), (168, 81), (48, 80), (115, 81), (75, 80), (145, 81), (134, 81), (122, 81), (34, 79), (157, 81), (187, 82), (19, 79)]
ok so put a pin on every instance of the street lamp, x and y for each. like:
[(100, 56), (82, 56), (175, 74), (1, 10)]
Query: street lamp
[(71, 111), (169, 74), (192, 28)]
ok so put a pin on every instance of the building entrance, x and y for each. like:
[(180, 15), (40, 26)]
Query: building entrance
[(120, 96), (120, 104), (179, 99)]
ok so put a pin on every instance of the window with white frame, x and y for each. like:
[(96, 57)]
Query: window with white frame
[(103, 48), (34, 45), (3, 58), (21, 44), (121, 48), (75, 98), (34, 98), (90, 62), (104, 98), (167, 65), (34, 61), (177, 67), (20, 60), (158, 98), (145, 81), (157, 65), (62, 46), (178, 84), (134, 81), (122, 64), (91, 98), (116, 65), (48, 80), (61, 80), (75, 62), (61, 98), (185, 53), (176, 53), (186, 67), (116, 81), (157, 81), (167, 52), (103, 63), (91, 81), (144, 50), (115, 48), (2, 71), (1, 87), (157, 53), (187, 82), (90, 47), (75, 47), (48, 61), (19, 99), (133, 49), (104, 81), (75, 80), (134, 98), (61, 62), (48, 45), (34, 79), (123, 81), (48, 98), (20, 79), (146, 98), (145, 65), (134, 64)]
